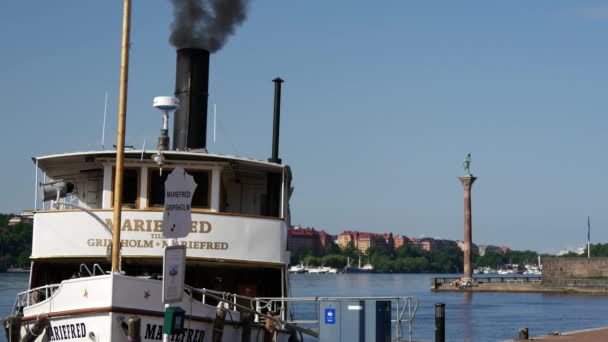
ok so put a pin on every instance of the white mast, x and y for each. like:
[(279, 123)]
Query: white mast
[(214, 120), (103, 128)]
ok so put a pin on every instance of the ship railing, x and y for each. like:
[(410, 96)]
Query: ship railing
[(275, 308), (90, 273), (33, 296), (404, 305), (235, 302)]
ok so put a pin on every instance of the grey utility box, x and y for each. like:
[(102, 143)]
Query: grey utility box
[(356, 321), (378, 320)]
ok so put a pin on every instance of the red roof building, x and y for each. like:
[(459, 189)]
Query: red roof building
[(301, 239)]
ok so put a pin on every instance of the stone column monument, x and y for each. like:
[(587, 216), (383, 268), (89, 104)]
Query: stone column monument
[(467, 182)]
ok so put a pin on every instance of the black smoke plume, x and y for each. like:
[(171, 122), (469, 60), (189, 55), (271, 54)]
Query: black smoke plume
[(205, 24)]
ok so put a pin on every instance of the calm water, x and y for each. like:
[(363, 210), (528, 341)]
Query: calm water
[(10, 285), (469, 316)]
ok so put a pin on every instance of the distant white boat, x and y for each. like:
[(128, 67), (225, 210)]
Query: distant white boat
[(316, 270), (531, 269), (330, 270), (297, 269), (484, 270)]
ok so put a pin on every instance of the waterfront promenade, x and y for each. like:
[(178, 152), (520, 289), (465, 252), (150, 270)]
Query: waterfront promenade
[(531, 284)]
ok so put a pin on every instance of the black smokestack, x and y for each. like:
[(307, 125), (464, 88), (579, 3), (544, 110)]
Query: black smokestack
[(205, 24), (192, 89), (276, 124)]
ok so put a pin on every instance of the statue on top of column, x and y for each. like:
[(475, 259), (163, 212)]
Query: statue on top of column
[(466, 163)]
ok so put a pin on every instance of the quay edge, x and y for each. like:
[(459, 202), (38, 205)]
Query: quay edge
[(516, 285), (587, 335)]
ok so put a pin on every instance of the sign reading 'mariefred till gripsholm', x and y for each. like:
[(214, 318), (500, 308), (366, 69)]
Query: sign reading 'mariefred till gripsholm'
[(177, 217)]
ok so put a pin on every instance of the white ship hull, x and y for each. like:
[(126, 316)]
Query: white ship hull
[(97, 309)]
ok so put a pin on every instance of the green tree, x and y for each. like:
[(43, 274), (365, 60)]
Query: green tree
[(15, 243), (299, 255), (311, 260), (331, 248), (598, 250), (334, 260), (491, 259), (350, 250)]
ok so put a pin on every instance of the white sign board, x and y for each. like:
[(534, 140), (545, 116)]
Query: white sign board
[(174, 272), (177, 218), (212, 236)]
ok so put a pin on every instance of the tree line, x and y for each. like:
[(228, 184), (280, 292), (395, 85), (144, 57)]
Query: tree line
[(410, 259), (597, 250), (15, 243), (405, 259)]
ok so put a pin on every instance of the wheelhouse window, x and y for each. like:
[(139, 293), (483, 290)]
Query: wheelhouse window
[(130, 187), (156, 190)]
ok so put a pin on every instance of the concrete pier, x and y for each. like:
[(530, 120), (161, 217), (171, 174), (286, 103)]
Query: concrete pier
[(588, 335), (518, 284), (467, 183)]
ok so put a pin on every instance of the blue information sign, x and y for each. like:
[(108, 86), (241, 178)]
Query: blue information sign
[(330, 316)]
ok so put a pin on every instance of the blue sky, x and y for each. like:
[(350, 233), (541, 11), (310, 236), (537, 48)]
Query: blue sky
[(380, 106)]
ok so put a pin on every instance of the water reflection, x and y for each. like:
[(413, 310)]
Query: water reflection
[(467, 322)]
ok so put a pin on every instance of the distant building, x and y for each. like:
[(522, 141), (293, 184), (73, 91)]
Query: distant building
[(324, 239), (441, 244), (483, 249), (400, 240), (367, 240), (474, 248), (423, 243), (415, 243), (345, 238), (430, 244), (301, 239), (362, 241), (18, 219)]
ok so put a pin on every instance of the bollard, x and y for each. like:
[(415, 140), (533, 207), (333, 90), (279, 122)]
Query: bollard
[(523, 334), (440, 322), (218, 323), (246, 321), (134, 329), (13, 327), (269, 329)]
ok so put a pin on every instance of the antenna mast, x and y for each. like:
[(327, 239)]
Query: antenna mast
[(103, 127)]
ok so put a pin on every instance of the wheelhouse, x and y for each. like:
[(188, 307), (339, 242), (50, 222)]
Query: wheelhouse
[(240, 213)]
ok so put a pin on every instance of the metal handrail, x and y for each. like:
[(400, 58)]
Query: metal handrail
[(24, 298), (225, 297), (267, 303), (275, 304), (86, 269)]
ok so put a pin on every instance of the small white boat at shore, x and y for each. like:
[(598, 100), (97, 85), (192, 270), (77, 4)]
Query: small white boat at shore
[(297, 269)]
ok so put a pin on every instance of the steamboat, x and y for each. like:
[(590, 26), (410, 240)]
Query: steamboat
[(236, 246), (99, 245)]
